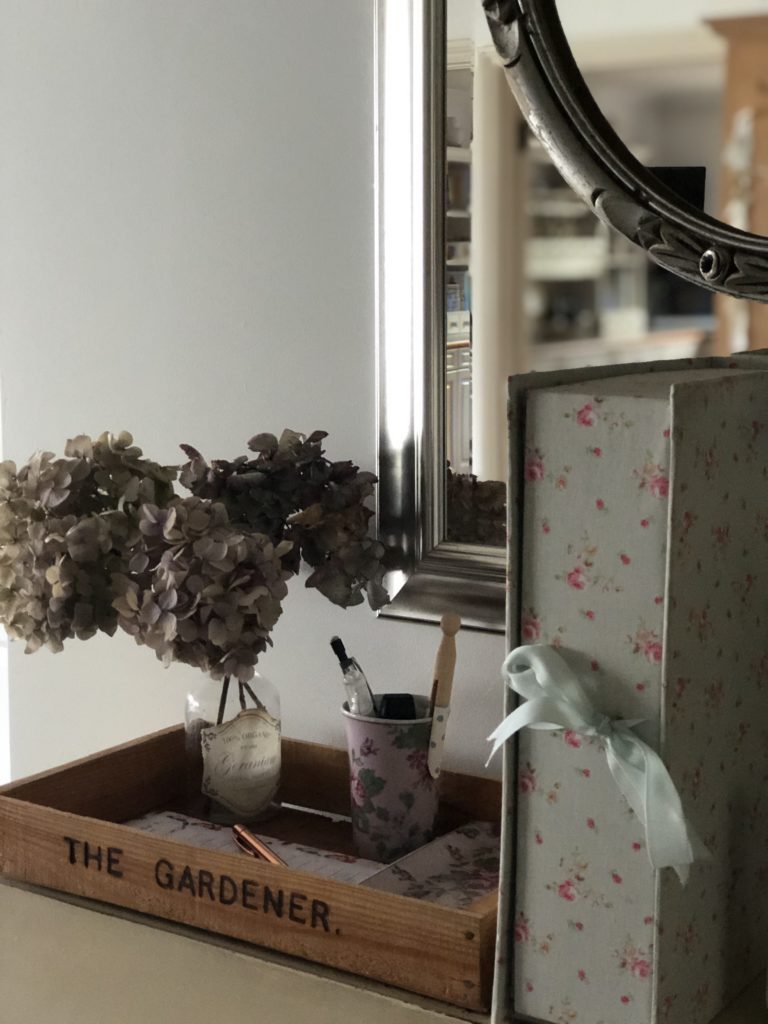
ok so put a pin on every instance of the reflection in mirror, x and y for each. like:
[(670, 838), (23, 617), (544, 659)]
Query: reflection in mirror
[(533, 280), (484, 202), (592, 296), (684, 87), (453, 554)]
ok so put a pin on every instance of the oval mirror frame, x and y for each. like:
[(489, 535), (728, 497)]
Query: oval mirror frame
[(624, 194)]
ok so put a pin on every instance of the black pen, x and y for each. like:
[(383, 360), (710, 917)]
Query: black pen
[(359, 697)]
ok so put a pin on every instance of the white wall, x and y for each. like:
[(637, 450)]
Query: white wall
[(186, 251)]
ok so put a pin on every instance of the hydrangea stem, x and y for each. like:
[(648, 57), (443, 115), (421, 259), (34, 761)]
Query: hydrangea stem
[(223, 701), (259, 704)]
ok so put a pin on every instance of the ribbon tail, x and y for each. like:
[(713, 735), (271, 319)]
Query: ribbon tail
[(647, 786)]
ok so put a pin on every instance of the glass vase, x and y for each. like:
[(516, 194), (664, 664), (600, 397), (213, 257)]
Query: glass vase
[(232, 749)]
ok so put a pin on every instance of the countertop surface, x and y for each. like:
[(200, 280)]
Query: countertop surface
[(79, 962)]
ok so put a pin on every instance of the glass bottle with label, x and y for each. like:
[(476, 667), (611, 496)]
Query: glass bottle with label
[(232, 749)]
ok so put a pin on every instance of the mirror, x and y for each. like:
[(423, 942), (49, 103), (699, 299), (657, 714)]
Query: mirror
[(657, 209), (651, 119), (437, 572)]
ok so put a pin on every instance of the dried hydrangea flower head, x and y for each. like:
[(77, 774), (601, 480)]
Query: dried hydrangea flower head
[(99, 539), (201, 590), (288, 490), (66, 525)]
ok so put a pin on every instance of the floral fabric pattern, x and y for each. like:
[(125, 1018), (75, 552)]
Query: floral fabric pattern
[(454, 870), (650, 572), (394, 797)]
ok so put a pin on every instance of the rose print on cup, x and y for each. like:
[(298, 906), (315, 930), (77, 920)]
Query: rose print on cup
[(358, 791), (417, 759), (572, 738)]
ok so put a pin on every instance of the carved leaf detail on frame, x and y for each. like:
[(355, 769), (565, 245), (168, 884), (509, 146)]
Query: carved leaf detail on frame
[(751, 276)]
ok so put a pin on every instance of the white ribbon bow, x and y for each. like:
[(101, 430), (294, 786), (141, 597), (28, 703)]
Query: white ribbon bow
[(556, 699)]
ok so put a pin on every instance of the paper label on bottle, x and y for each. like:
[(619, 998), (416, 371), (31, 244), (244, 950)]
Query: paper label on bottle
[(241, 762)]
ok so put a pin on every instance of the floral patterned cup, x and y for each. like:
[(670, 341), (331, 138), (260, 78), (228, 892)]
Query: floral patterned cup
[(394, 798)]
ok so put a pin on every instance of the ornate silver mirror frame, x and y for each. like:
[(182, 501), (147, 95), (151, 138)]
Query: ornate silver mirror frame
[(434, 576), (622, 192)]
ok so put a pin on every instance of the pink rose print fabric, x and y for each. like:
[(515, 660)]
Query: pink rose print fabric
[(645, 559)]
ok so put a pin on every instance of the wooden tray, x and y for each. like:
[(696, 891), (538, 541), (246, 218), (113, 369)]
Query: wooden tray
[(62, 829)]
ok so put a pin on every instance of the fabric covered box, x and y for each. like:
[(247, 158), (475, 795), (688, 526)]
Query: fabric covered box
[(639, 548)]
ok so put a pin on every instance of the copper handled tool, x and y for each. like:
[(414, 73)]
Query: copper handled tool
[(250, 843)]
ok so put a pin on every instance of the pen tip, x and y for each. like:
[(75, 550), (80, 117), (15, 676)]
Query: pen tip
[(338, 648)]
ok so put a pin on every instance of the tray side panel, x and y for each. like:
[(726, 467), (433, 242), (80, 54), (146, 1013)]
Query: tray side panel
[(116, 784), (317, 776), (419, 947)]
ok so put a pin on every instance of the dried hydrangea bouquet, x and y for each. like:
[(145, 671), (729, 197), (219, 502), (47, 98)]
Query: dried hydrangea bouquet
[(99, 540)]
